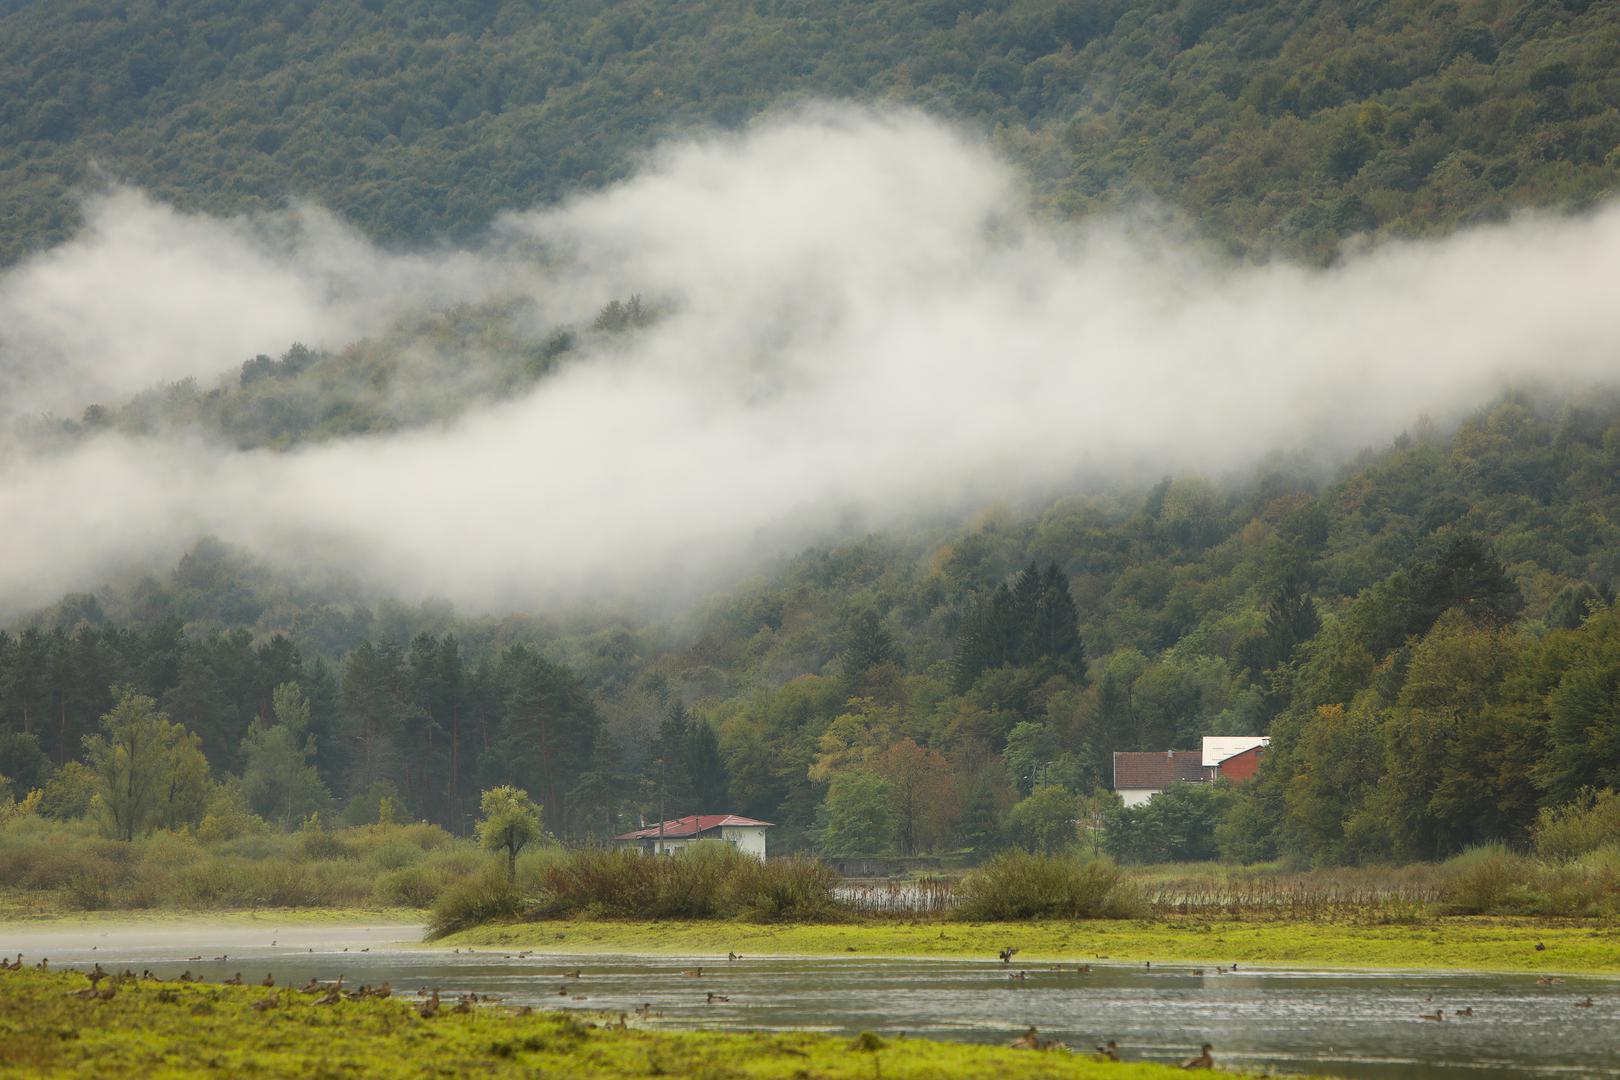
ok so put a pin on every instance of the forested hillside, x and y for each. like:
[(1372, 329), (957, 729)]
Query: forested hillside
[(1272, 125), (1430, 638)]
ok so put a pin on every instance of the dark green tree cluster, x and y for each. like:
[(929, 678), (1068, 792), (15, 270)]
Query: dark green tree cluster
[(1033, 622)]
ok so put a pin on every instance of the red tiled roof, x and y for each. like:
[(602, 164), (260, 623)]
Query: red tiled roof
[(1156, 769), (692, 825)]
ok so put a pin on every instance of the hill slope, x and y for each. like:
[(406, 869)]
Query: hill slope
[(1272, 125)]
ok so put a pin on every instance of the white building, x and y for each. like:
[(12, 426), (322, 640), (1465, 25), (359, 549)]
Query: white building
[(668, 837)]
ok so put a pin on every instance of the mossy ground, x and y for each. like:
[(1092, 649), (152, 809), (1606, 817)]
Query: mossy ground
[(1451, 943), (164, 1030)]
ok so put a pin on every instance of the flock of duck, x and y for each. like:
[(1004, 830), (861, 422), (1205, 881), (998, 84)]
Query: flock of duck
[(430, 1004)]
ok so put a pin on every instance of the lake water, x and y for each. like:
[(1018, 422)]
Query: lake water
[(1353, 1024)]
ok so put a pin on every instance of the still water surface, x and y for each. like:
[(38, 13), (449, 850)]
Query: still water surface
[(1352, 1024)]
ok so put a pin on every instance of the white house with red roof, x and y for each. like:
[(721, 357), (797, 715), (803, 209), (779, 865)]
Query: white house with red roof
[(668, 837)]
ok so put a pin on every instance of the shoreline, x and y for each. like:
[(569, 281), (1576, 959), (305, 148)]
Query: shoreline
[(207, 1029), (1460, 944), (1464, 945)]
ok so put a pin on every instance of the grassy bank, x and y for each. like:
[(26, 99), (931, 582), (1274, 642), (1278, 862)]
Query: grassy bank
[(1479, 944), (173, 1030)]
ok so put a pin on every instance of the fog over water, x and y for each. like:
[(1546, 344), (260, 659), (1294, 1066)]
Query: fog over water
[(862, 320)]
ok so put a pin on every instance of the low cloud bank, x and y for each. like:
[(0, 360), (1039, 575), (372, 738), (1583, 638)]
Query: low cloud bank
[(860, 320)]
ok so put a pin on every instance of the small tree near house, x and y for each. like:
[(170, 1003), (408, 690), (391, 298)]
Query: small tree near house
[(511, 822)]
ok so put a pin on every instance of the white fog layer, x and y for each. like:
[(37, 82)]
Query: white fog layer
[(861, 317)]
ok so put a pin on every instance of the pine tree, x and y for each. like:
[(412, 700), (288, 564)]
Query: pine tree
[(706, 774)]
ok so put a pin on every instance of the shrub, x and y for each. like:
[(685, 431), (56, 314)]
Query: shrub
[(1579, 827), (479, 899), (1019, 885), (316, 844), (410, 886), (1490, 880), (395, 856)]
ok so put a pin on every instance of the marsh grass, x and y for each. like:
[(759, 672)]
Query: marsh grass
[(193, 1030), (67, 865), (706, 881), (1020, 885)]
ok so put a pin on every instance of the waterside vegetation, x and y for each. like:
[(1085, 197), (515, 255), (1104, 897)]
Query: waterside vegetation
[(145, 1028)]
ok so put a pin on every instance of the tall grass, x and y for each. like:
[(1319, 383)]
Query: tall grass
[(706, 881), (1020, 885), (67, 865)]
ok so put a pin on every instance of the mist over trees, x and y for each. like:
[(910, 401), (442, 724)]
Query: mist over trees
[(1429, 639)]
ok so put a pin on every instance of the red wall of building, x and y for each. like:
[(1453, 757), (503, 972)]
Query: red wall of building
[(1241, 767)]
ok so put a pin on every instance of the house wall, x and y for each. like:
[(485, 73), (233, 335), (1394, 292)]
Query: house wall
[(1138, 796), (749, 839), (1241, 767)]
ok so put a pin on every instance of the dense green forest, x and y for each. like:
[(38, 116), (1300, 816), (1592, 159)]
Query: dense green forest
[(1429, 633), (1271, 125), (1430, 637)]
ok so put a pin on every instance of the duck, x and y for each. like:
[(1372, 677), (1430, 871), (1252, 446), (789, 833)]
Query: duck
[(234, 980), (1197, 971), (44, 964), (572, 974), (1437, 1015), (693, 973), (463, 1006), (95, 975), (429, 1008), (1084, 969), (1109, 1051), (1007, 954), (271, 1002), (1584, 1003), (7, 965), (268, 981), (1548, 980), (1200, 1060), (1469, 1011), (1029, 1040), (644, 1010), (714, 997), (1018, 975)]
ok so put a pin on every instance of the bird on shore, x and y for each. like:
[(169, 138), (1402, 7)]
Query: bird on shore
[(464, 1006), (269, 980), (1540, 947), (1201, 1060), (7, 965), (234, 980), (1437, 1015), (96, 975), (1108, 1051), (44, 964), (429, 1008), (1029, 1040), (271, 1002)]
